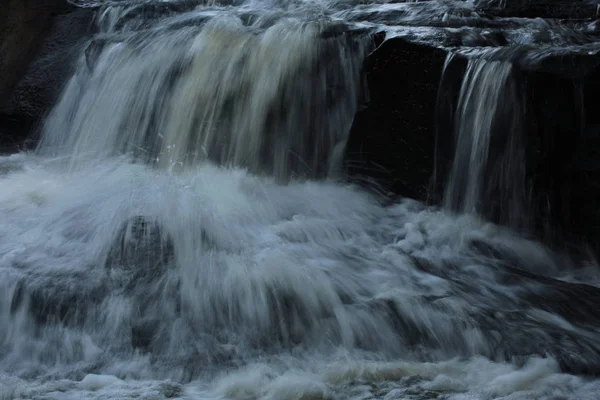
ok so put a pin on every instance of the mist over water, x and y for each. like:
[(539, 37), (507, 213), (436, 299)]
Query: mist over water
[(183, 230)]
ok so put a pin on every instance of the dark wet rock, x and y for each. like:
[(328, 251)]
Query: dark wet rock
[(470, 37), (38, 48), (138, 263), (24, 24), (564, 9), (392, 138), (145, 14), (61, 299), (561, 162), (142, 248), (518, 313), (574, 302), (404, 137), (143, 333), (171, 389), (562, 147), (343, 29), (578, 62)]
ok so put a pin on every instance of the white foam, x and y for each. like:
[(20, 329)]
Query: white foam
[(290, 237), (97, 382)]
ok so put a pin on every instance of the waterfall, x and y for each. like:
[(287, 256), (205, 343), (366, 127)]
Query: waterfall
[(488, 171), (274, 96), (172, 236)]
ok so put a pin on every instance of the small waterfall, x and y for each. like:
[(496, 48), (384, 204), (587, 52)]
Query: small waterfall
[(122, 278), (488, 172), (275, 96)]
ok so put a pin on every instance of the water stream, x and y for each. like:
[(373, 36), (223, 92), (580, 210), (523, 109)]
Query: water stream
[(183, 231)]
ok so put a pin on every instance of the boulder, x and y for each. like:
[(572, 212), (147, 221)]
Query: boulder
[(38, 48), (138, 263), (138, 258), (142, 250)]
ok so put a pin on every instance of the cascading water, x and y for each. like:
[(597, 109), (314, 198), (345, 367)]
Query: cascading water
[(273, 95), (488, 172), (208, 278)]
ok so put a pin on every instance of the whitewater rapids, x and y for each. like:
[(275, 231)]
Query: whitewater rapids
[(334, 249), (185, 229)]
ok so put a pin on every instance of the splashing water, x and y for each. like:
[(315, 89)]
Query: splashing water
[(319, 281), (149, 248), (274, 96)]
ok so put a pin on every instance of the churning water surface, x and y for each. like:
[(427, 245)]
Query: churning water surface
[(309, 290), (184, 231)]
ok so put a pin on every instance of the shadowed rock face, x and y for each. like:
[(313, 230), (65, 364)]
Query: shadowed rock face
[(38, 45), (137, 262), (393, 137), (405, 137)]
